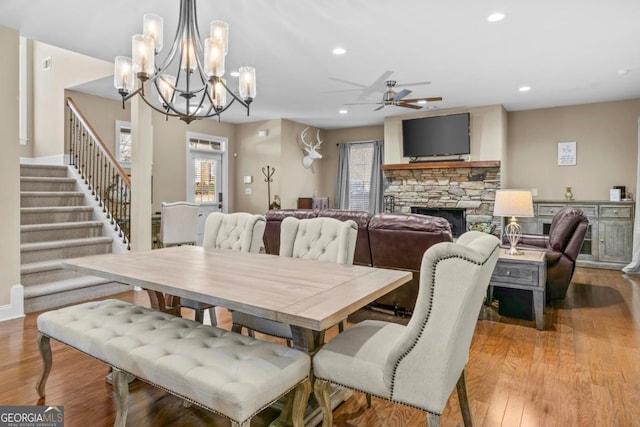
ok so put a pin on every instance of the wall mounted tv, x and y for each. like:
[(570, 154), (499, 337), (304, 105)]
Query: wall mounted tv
[(436, 136)]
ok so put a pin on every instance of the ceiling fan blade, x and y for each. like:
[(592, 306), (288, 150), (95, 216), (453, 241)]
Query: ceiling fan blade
[(341, 91), (379, 108), (363, 103), (347, 82), (412, 84), (404, 104), (377, 85), (431, 99), (401, 94)]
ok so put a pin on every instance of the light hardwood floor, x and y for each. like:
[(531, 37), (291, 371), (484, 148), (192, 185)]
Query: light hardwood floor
[(582, 370)]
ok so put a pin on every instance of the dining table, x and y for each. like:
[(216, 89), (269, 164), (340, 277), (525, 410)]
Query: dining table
[(310, 295)]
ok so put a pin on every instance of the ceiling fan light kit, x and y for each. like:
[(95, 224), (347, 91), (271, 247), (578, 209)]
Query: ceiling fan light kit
[(197, 90), (391, 97)]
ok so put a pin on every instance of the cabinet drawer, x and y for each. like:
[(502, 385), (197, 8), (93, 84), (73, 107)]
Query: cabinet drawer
[(549, 210), (590, 211), (615, 211), (515, 274)]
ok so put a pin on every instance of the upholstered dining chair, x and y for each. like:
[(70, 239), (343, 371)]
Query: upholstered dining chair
[(239, 231), (178, 224), (322, 239), (418, 364)]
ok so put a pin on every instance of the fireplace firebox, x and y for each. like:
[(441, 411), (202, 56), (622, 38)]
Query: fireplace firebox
[(455, 216)]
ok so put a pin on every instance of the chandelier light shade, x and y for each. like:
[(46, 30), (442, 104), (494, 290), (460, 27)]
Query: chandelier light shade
[(123, 80), (513, 203), (188, 81), (247, 82)]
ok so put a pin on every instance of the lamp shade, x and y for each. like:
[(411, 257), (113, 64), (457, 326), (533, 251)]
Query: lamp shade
[(247, 82), (513, 203), (220, 32), (143, 56), (152, 27), (123, 78)]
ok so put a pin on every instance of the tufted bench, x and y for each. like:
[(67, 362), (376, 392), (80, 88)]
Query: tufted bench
[(227, 373)]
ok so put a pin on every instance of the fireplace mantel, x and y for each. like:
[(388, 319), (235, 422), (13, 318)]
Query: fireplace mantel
[(442, 165)]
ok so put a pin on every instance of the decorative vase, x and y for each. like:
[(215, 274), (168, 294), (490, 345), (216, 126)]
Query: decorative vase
[(568, 194)]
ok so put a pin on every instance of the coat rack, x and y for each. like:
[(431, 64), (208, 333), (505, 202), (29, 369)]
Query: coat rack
[(268, 173)]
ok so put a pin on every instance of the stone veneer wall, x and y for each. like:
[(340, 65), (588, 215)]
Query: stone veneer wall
[(471, 188)]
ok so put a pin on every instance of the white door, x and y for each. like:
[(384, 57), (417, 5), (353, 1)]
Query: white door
[(206, 176)]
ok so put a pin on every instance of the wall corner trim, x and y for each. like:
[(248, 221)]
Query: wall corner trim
[(15, 309)]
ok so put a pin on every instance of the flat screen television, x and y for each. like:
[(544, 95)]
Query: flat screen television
[(436, 136)]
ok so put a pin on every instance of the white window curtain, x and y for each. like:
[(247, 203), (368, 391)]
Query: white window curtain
[(634, 266)]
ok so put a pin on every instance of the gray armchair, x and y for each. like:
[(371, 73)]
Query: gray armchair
[(419, 364), (322, 239)]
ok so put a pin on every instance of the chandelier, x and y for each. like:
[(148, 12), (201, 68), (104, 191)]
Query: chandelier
[(196, 89)]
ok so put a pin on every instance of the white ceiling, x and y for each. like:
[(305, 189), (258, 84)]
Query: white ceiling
[(568, 51)]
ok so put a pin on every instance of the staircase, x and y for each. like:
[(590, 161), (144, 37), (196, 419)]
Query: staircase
[(55, 224)]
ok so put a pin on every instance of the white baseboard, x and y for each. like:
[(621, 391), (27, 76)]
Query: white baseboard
[(15, 309)]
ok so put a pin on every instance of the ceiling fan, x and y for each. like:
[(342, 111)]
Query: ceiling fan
[(391, 97), (366, 90)]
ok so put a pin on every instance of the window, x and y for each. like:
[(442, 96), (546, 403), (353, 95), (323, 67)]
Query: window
[(123, 143), (361, 156)]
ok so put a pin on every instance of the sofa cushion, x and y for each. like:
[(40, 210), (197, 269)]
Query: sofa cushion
[(399, 241)]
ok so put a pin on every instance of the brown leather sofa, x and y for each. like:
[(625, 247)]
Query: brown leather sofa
[(562, 246), (384, 240), (399, 241)]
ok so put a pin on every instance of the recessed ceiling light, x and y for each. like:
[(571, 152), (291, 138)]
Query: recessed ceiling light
[(343, 111), (234, 74), (495, 17), (524, 88), (422, 101), (431, 107), (339, 51)]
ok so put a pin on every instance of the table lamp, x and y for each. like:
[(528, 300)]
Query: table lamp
[(513, 203)]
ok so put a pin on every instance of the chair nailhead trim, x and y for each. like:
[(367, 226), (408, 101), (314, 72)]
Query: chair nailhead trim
[(426, 319)]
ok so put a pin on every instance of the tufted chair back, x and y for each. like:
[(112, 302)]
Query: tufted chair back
[(419, 364), (179, 224), (240, 231), (322, 239)]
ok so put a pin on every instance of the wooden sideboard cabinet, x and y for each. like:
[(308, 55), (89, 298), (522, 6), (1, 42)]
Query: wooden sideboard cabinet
[(313, 203), (609, 239)]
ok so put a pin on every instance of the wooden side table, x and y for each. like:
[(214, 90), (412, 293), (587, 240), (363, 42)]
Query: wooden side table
[(527, 271)]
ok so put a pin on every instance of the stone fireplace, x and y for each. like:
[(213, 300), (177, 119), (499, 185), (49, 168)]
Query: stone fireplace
[(468, 187)]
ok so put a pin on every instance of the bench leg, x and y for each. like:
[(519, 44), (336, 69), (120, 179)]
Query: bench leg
[(300, 399), (321, 391), (44, 346), (295, 406), (120, 396)]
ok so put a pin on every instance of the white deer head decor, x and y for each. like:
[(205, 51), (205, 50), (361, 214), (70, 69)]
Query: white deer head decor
[(310, 149)]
